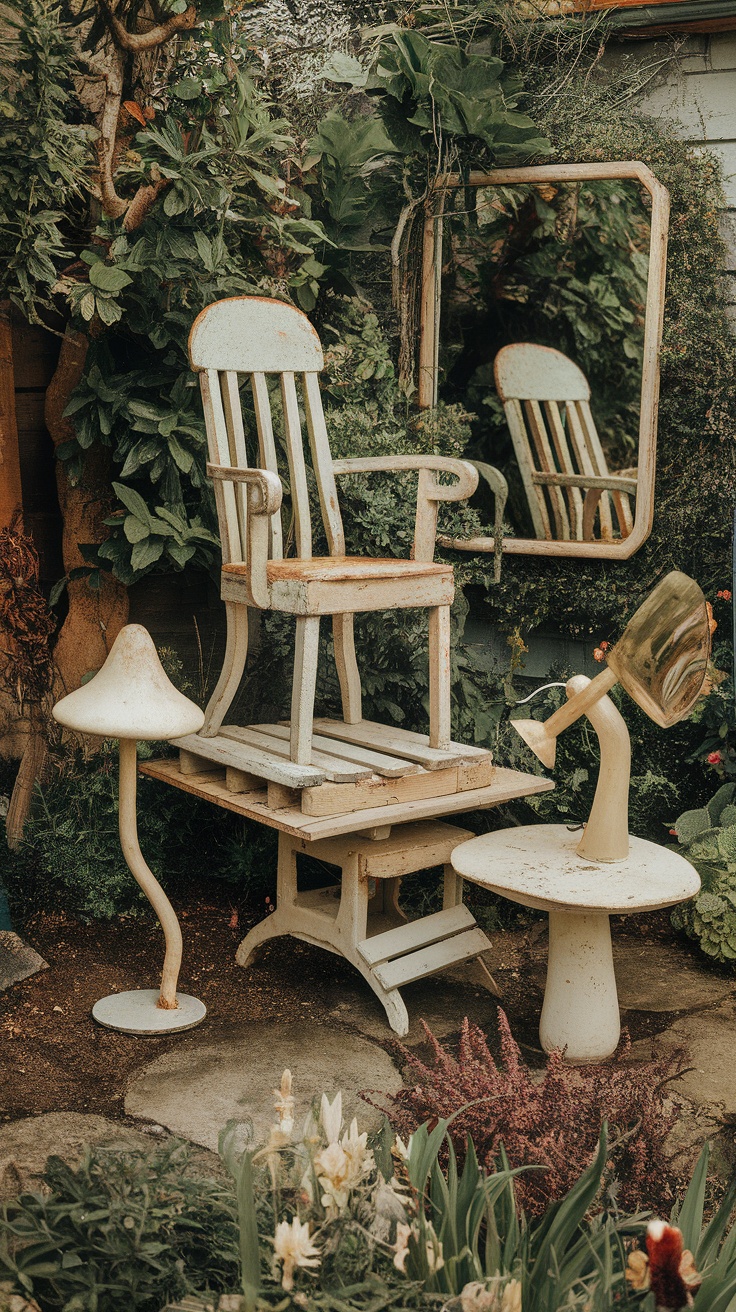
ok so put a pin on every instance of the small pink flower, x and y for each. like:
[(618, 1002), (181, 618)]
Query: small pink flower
[(714, 758), (724, 595), (599, 654), (605, 645), (674, 832)]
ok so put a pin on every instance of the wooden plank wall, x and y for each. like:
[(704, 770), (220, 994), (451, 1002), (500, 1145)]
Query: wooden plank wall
[(699, 93)]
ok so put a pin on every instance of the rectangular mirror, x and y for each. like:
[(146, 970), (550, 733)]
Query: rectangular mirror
[(541, 313)]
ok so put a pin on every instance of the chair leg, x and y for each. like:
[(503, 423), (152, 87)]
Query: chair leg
[(343, 630), (228, 683), (439, 677), (303, 688)]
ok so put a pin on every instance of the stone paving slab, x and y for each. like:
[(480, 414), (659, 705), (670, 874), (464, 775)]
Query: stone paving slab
[(25, 1144), (709, 1040), (195, 1091)]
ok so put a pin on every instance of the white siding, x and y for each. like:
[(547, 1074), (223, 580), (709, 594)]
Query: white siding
[(698, 91)]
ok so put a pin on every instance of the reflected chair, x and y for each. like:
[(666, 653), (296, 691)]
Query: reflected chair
[(568, 485), (258, 337)]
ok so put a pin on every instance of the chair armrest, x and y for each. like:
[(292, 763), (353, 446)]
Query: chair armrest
[(429, 491), (265, 492), (467, 476), (264, 496)]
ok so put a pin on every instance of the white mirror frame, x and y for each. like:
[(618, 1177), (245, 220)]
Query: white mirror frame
[(654, 315)]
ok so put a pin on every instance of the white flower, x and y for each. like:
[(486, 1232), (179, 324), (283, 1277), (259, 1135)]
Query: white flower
[(491, 1296), (401, 1149), (293, 1248), (435, 1259), (340, 1167), (331, 1117), (284, 1103), (333, 1170), (401, 1247)]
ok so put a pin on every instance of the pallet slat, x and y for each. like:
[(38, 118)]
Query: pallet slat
[(224, 753), (331, 766), (391, 767), (427, 961), (400, 742), (416, 934)]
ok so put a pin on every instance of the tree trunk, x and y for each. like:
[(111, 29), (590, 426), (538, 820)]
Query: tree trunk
[(95, 616)]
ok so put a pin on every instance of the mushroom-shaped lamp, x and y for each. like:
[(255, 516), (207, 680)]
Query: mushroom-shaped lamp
[(131, 698), (661, 660)]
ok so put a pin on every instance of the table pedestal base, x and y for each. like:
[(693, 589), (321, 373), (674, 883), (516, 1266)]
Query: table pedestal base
[(580, 1012)]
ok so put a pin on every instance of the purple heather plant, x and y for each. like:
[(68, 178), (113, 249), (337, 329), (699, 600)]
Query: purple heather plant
[(550, 1118)]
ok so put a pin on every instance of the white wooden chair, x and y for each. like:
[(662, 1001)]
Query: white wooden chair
[(563, 467), (258, 336)]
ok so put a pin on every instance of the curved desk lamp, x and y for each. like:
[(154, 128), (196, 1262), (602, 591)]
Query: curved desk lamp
[(661, 660), (131, 698)]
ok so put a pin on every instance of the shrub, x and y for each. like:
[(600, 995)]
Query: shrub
[(550, 1119), (707, 836)]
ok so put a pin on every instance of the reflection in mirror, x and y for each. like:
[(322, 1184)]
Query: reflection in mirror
[(548, 336)]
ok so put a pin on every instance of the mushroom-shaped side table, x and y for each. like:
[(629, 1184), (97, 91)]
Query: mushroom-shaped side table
[(538, 866), (131, 698), (581, 880)]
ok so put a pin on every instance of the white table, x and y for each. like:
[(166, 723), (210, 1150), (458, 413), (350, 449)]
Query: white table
[(537, 866)]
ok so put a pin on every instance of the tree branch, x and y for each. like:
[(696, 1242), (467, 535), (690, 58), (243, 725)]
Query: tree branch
[(155, 36)]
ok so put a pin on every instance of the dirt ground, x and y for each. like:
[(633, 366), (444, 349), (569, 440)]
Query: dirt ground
[(54, 1057)]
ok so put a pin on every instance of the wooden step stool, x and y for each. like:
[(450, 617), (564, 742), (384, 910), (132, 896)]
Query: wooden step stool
[(360, 919)]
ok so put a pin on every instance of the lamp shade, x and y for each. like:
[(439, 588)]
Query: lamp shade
[(131, 696), (662, 656)]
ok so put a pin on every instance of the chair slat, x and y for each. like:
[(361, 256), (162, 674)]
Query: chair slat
[(535, 419), (536, 504), (322, 462), (219, 447), (619, 499), (590, 443), (267, 451), (297, 469), (565, 462), (236, 443)]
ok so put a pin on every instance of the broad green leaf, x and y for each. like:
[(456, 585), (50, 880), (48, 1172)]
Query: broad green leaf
[(108, 277), (188, 88), (133, 501), (146, 553)]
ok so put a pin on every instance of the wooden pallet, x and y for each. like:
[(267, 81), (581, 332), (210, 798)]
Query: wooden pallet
[(280, 808), (354, 767)]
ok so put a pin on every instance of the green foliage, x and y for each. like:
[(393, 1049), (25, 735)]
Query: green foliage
[(121, 1230), (430, 90), (45, 157), (226, 225), (134, 1229), (707, 836)]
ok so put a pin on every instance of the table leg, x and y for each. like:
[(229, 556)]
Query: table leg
[(580, 1011)]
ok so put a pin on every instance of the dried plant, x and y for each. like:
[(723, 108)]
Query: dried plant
[(550, 1118), (25, 619)]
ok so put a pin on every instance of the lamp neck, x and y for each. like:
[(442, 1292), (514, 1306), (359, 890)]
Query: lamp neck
[(606, 835)]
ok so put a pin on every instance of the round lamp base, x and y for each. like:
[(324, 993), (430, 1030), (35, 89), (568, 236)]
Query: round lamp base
[(136, 1012)]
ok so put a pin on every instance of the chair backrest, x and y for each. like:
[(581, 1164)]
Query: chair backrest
[(546, 398), (256, 336)]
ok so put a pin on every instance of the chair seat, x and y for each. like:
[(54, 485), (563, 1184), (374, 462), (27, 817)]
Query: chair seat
[(327, 585)]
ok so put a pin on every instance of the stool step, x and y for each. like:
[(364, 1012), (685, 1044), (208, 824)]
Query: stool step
[(416, 934), (428, 960)]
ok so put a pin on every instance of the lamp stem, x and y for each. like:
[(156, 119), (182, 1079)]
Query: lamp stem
[(579, 704), (606, 835), (144, 877)]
